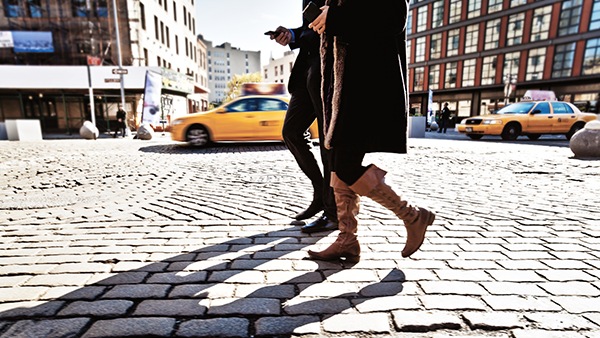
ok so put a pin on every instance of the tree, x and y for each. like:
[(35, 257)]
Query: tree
[(234, 86)]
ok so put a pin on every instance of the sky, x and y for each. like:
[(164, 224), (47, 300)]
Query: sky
[(243, 23)]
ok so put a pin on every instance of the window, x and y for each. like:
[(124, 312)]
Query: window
[(488, 70), (455, 7), (35, 8), (494, 6), (101, 9), (271, 105), (419, 78), (515, 3), (420, 49), (174, 11), (591, 57), (408, 49), (143, 16), (409, 23), (561, 108), (78, 7), (468, 74), (543, 107), (595, 17), (541, 23), (438, 14), (570, 15), (511, 63), (535, 64), (472, 39), (177, 45), (492, 34), (421, 18), (514, 35), (156, 28), (436, 46), (434, 77), (474, 9), (453, 42), (450, 81), (563, 60)]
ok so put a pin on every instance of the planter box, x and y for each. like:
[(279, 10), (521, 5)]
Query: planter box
[(23, 130), (417, 126)]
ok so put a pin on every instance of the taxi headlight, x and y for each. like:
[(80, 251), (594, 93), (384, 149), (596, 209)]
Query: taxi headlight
[(176, 122), (491, 122)]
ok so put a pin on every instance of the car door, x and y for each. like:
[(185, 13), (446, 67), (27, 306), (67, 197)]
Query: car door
[(270, 116), (540, 119), (564, 117), (237, 120)]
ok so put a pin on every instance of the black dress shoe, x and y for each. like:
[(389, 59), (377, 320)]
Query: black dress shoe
[(314, 208), (320, 224)]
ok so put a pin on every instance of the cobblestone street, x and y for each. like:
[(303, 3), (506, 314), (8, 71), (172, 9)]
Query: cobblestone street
[(131, 238)]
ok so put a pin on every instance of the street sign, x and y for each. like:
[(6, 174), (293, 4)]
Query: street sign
[(119, 71)]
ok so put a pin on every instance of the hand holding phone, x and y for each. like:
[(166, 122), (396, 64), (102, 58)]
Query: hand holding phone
[(311, 12)]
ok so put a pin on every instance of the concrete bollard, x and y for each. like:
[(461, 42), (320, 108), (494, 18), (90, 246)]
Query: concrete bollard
[(89, 131), (145, 132), (586, 142)]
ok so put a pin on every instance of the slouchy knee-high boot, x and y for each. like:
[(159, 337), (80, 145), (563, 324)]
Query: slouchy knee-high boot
[(346, 245), (416, 220)]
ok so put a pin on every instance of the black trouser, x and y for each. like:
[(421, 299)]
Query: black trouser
[(305, 106), (347, 164)]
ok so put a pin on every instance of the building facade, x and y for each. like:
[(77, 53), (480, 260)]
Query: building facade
[(225, 61), (152, 34), (479, 55), (279, 70)]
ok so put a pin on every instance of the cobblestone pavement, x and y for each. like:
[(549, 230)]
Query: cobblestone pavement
[(131, 238)]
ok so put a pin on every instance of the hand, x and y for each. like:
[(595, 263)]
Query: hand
[(318, 25), (282, 36)]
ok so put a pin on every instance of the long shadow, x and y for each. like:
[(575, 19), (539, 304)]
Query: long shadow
[(245, 147), (218, 290)]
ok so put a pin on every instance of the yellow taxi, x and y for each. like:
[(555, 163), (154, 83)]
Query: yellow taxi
[(530, 118), (246, 118)]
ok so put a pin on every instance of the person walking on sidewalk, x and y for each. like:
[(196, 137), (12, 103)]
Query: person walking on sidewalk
[(305, 105), (121, 126), (445, 118), (362, 41)]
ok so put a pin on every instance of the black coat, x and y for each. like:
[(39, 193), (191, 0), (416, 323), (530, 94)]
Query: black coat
[(365, 90), (308, 41)]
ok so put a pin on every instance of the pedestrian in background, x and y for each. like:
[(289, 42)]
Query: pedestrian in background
[(121, 126), (445, 118), (305, 105), (365, 41)]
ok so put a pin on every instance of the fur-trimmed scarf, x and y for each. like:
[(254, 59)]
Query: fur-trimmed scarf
[(333, 54)]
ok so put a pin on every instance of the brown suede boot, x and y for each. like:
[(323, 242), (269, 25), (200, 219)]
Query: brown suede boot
[(346, 245), (416, 220)]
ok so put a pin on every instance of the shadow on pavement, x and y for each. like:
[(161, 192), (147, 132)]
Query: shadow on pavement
[(247, 147), (246, 280)]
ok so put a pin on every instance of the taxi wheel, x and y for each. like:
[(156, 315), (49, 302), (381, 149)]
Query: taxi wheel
[(197, 136), (511, 132), (575, 128), (475, 136)]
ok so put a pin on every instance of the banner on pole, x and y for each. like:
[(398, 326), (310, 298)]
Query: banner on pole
[(152, 93), (430, 115)]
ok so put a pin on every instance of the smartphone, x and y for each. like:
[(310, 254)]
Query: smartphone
[(272, 33), (311, 12)]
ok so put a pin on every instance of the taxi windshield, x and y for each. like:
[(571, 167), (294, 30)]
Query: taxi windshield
[(517, 108)]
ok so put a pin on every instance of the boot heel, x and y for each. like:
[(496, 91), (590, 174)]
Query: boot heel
[(352, 259)]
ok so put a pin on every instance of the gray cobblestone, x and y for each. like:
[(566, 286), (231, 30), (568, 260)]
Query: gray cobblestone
[(197, 243)]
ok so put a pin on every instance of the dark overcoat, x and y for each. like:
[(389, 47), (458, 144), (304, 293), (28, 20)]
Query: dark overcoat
[(364, 86)]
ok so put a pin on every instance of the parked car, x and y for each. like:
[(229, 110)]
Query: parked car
[(531, 118), (246, 118)]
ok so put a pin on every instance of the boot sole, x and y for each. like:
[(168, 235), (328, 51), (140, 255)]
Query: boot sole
[(430, 220), (350, 259)]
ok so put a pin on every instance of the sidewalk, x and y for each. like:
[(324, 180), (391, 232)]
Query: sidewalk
[(132, 238)]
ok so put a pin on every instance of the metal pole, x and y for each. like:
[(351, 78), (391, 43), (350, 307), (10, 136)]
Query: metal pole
[(91, 93), (118, 38)]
